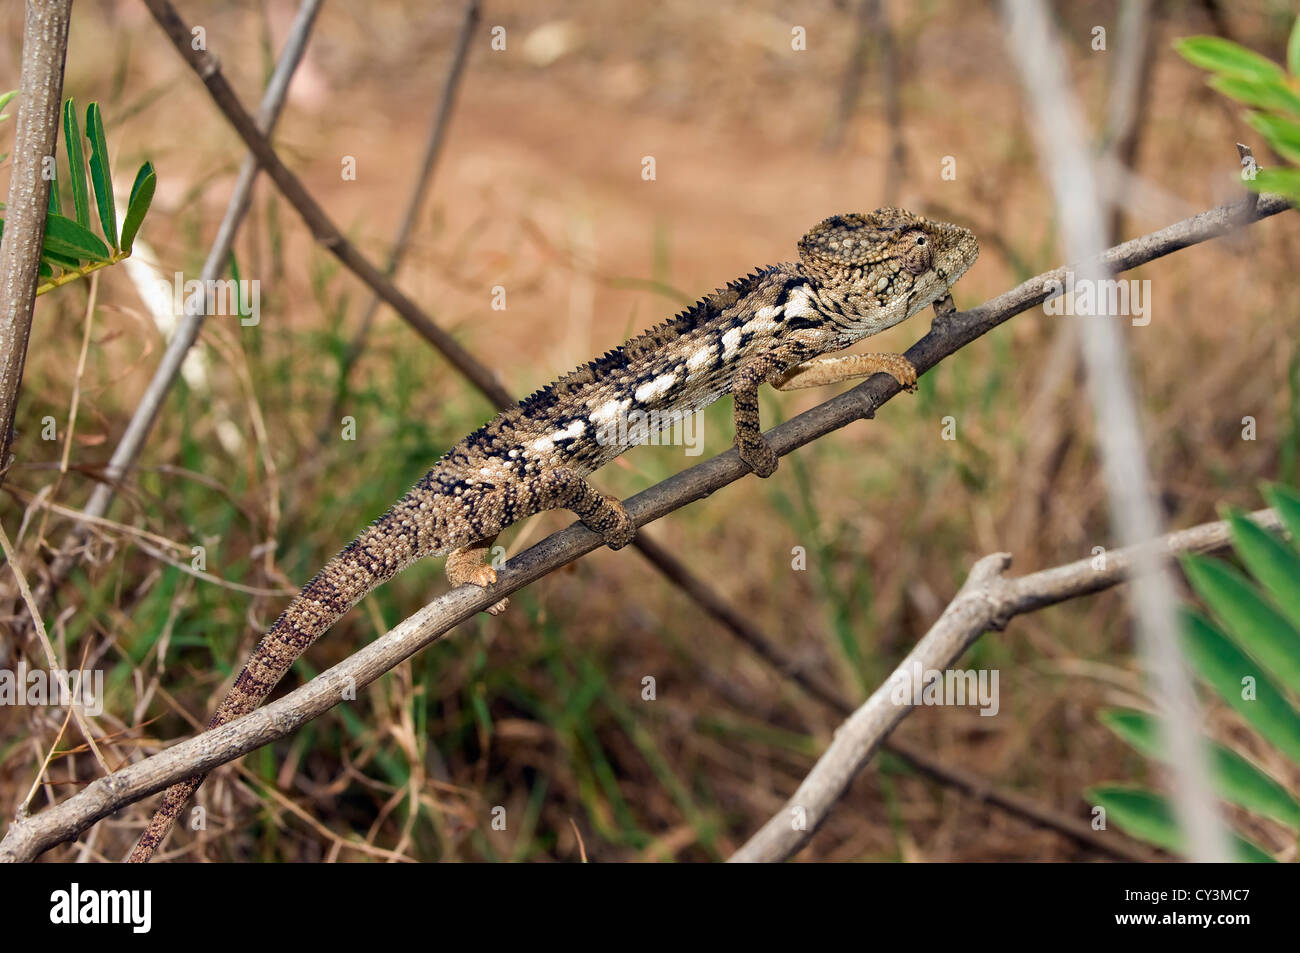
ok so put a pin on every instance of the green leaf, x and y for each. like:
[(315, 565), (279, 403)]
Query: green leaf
[(1284, 134), (1226, 668), (1253, 622), (146, 180), (1292, 50), (1285, 182), (1272, 94), (1235, 779), (101, 173), (1286, 501), (1148, 817), (44, 270), (76, 164), (63, 236), (1271, 561), (5, 99), (1223, 56)]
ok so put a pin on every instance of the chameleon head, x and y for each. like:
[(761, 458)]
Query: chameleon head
[(883, 267)]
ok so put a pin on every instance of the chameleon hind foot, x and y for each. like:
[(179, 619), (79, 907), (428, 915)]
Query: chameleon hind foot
[(758, 456), (618, 529), (468, 565), (601, 513)]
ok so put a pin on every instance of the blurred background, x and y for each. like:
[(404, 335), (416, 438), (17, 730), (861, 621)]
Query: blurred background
[(540, 191)]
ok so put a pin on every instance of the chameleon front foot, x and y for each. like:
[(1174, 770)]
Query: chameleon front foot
[(468, 566), (844, 367)]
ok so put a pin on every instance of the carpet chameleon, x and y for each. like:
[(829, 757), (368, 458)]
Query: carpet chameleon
[(856, 276)]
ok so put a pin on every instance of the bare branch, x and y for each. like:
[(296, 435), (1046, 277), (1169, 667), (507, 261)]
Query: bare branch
[(199, 755), (987, 600), (40, 97)]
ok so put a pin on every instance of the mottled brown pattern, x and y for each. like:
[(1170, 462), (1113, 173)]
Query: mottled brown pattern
[(857, 275)]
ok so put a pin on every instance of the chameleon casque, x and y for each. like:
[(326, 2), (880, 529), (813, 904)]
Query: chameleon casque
[(856, 276)]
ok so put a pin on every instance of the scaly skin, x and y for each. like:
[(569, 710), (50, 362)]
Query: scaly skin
[(856, 276)]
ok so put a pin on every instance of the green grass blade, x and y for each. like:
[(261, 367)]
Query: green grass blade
[(65, 237), (1286, 501), (1252, 621), (1223, 56), (1271, 561), (1235, 779), (101, 173), (1148, 817), (146, 180), (5, 99), (76, 164), (1225, 668)]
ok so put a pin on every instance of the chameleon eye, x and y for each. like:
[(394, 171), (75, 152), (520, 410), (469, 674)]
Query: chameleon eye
[(917, 257)]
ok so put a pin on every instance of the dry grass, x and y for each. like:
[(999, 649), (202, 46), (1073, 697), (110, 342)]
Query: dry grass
[(541, 711)]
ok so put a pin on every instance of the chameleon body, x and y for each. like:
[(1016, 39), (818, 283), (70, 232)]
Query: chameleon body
[(856, 276)]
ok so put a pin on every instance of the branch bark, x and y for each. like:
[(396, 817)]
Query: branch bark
[(27, 837), (36, 132)]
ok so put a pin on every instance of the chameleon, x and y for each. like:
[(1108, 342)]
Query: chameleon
[(857, 275)]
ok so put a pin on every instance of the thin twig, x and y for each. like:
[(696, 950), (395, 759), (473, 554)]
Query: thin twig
[(40, 96), (419, 189), (26, 838), (1063, 152), (1128, 101), (987, 600)]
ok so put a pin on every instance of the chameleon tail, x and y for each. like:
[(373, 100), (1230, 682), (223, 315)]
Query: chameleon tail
[(388, 546)]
